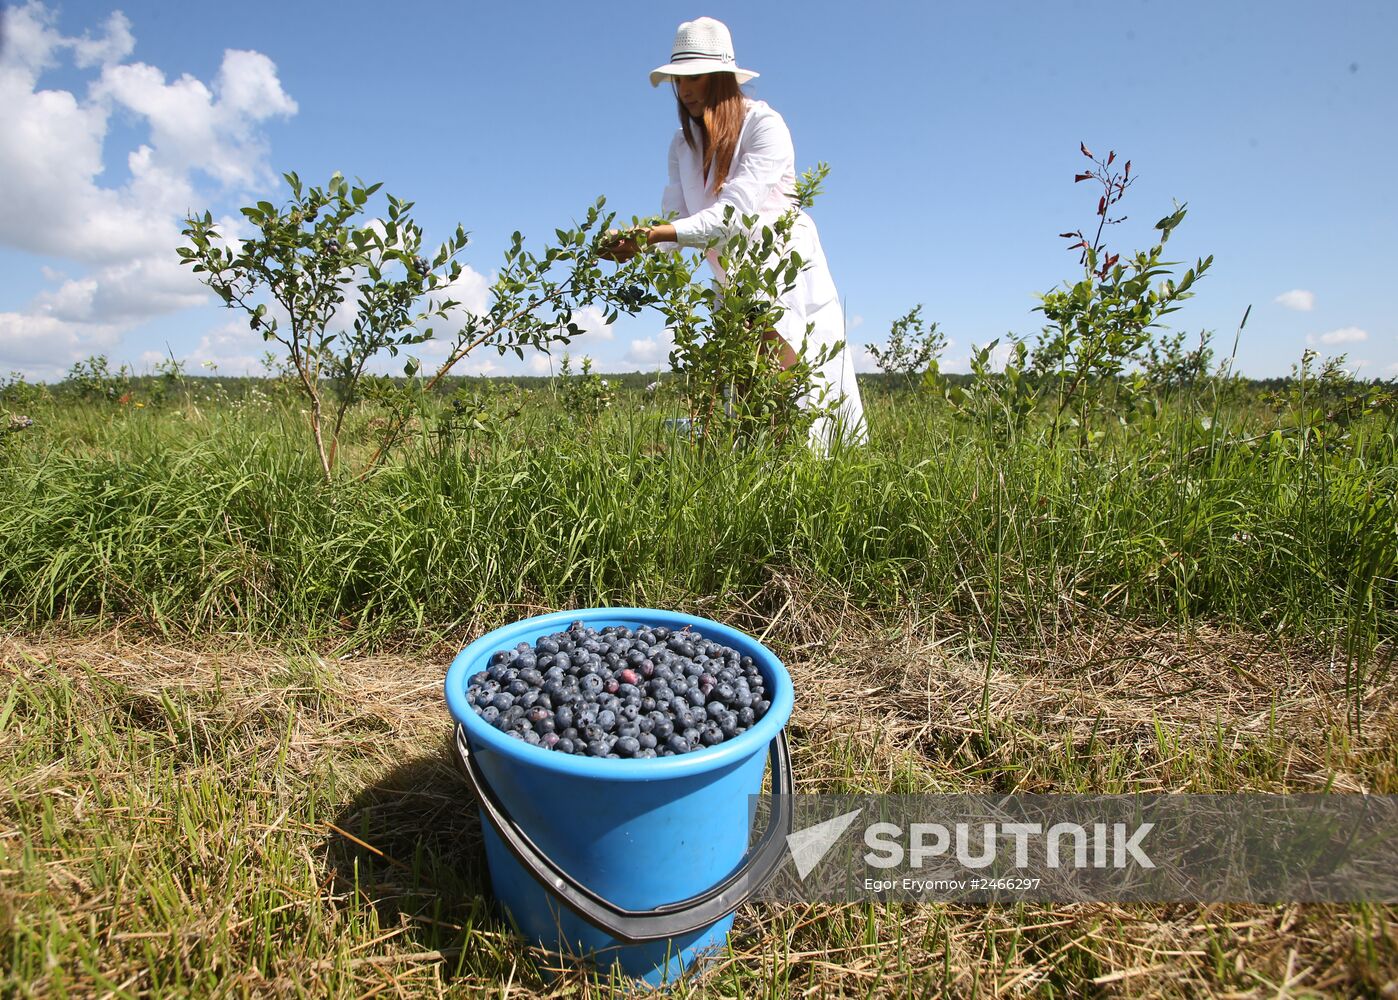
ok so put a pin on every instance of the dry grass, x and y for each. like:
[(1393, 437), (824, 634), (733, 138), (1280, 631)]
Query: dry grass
[(234, 820)]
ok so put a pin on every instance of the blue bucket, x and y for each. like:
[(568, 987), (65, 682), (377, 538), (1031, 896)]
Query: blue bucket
[(639, 864)]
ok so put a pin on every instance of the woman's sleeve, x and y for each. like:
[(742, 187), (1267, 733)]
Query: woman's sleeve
[(672, 201), (764, 156)]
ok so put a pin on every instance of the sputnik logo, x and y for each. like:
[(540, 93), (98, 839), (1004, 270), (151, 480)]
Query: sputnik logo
[(808, 846)]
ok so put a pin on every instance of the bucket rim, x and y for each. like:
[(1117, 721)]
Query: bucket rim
[(755, 741)]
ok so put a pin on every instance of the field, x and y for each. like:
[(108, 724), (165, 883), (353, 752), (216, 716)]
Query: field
[(225, 747)]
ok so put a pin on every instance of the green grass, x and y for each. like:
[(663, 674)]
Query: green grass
[(221, 521)]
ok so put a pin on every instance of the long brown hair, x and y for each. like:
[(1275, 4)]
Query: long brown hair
[(720, 128)]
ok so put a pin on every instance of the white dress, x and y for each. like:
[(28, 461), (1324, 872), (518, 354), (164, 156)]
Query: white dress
[(762, 181)]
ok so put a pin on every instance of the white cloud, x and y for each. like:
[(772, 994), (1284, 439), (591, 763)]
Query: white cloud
[(122, 237), (115, 45), (1344, 335), (232, 348), (478, 366), (540, 363), (197, 127), (1392, 369), (651, 352), (44, 347), (863, 360), (1297, 299), (471, 290), (595, 327), (854, 323)]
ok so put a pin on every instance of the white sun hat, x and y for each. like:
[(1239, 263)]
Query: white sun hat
[(701, 46)]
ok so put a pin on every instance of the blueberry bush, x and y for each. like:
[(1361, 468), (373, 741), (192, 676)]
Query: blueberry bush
[(312, 260)]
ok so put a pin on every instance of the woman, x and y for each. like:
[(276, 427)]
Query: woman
[(730, 150)]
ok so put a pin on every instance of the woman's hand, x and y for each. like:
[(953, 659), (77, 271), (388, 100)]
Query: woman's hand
[(619, 246), (622, 245)]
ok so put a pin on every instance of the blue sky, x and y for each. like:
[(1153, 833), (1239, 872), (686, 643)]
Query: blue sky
[(952, 133)]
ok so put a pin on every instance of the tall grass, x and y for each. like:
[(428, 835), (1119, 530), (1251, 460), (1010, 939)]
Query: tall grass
[(189, 520)]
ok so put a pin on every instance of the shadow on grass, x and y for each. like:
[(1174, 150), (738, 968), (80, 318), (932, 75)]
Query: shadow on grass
[(410, 849)]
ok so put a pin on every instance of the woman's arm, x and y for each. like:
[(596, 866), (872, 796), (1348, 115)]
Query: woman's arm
[(764, 156)]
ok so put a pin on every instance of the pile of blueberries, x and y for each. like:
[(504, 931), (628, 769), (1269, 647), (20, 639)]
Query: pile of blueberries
[(621, 692)]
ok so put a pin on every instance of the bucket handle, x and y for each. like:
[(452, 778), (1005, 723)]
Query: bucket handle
[(670, 919)]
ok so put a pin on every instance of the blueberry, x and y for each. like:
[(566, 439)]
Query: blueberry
[(647, 741), (696, 697), (713, 736), (746, 716), (490, 713), (549, 741), (503, 701), (597, 748), (606, 719), (677, 743), (627, 746), (565, 744), (563, 717), (626, 676), (548, 645)]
